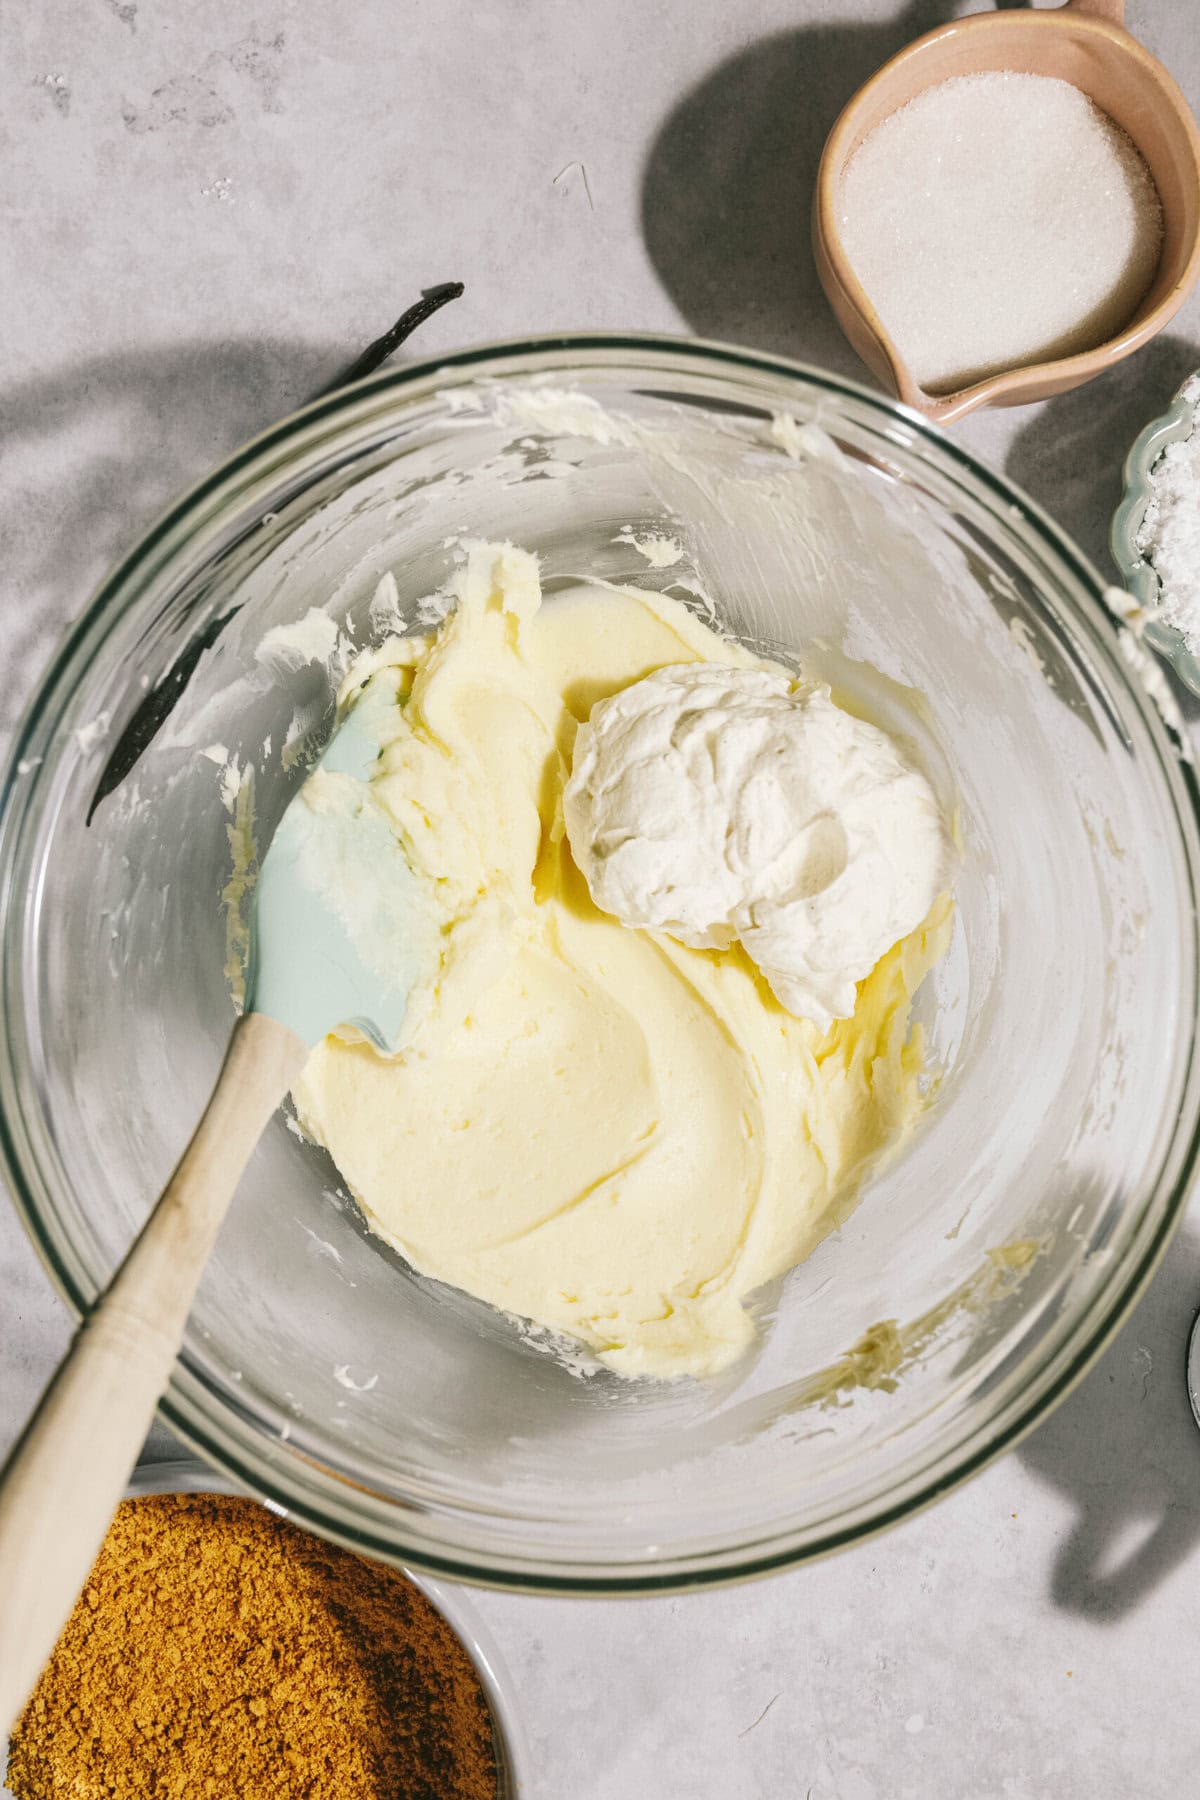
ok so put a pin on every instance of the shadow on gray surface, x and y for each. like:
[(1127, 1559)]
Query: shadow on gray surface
[(1125, 1450), (102, 448), (727, 191)]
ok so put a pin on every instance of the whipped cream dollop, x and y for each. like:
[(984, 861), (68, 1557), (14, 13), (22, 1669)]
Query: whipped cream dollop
[(719, 804)]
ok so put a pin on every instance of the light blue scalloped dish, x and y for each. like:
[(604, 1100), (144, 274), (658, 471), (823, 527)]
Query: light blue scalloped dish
[(1138, 575)]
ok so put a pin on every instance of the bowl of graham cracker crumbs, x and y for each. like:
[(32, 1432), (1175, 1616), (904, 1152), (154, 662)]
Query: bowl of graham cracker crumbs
[(219, 1650)]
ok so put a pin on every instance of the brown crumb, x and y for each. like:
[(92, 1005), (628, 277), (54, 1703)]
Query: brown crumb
[(218, 1650)]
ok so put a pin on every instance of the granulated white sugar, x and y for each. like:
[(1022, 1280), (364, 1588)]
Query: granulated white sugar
[(999, 219), (1169, 535)]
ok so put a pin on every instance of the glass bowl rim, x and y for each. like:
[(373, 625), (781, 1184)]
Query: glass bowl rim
[(502, 360)]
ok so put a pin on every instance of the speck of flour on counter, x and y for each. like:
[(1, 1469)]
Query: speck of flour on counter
[(1169, 535)]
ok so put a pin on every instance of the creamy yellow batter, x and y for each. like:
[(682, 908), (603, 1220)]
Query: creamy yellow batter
[(592, 1127)]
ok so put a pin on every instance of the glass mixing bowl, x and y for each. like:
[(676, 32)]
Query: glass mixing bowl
[(981, 1271)]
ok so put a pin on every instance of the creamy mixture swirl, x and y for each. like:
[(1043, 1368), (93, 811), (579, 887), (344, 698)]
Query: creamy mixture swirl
[(601, 1129)]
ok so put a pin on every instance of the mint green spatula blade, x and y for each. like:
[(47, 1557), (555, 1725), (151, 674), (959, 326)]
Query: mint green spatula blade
[(341, 927)]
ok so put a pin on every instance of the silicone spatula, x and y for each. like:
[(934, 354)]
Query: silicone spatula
[(340, 930)]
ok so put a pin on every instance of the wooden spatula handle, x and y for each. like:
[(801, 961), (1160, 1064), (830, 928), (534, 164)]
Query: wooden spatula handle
[(61, 1485)]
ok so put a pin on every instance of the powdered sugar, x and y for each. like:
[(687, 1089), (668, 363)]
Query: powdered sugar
[(1169, 534)]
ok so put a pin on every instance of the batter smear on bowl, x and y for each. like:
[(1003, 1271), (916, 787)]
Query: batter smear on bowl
[(611, 1131)]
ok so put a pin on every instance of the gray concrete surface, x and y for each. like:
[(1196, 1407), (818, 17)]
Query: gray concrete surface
[(207, 211)]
